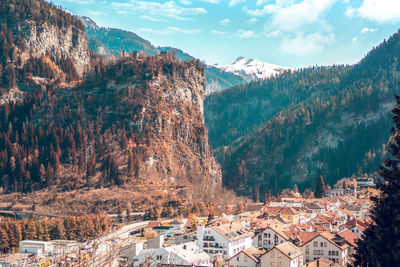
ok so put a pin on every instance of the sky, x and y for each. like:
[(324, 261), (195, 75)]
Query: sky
[(293, 33)]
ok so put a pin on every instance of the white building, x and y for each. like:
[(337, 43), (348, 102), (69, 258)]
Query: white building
[(324, 245), (35, 247), (225, 240), (283, 255), (186, 254)]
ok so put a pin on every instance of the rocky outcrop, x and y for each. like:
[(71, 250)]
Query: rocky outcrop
[(57, 43)]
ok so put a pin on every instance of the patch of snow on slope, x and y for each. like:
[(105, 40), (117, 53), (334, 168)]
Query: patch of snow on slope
[(252, 69)]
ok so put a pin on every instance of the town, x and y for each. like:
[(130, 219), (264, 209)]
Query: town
[(290, 231)]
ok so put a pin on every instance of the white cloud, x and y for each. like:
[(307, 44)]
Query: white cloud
[(380, 10), (306, 44), (253, 20), (261, 2), (290, 15), (245, 34), (210, 1), (224, 22), (365, 30), (185, 2), (350, 11), (235, 2), (169, 31), (354, 39), (274, 34), (220, 33), (157, 10)]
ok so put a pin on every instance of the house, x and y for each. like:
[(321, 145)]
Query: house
[(355, 225), (350, 238), (314, 207), (224, 239), (288, 213), (185, 237), (321, 262), (284, 255), (271, 236), (186, 254), (323, 245), (247, 258)]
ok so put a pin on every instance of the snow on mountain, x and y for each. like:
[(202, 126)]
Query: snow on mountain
[(252, 69)]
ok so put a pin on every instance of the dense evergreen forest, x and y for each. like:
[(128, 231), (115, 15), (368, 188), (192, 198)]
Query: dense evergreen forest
[(329, 121)]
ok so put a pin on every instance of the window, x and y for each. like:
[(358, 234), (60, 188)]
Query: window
[(272, 263), (322, 244), (272, 254), (279, 255), (329, 252), (315, 244), (238, 258), (280, 263), (325, 244)]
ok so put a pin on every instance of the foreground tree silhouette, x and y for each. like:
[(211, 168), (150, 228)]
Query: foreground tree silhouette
[(320, 190), (380, 245)]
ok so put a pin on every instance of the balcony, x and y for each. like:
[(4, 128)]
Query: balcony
[(208, 238)]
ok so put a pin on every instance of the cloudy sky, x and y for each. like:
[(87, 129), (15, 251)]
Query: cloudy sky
[(294, 33)]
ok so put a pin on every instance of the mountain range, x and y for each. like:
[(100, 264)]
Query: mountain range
[(92, 117), (112, 42)]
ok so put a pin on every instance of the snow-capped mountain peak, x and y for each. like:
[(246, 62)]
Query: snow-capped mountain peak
[(251, 69)]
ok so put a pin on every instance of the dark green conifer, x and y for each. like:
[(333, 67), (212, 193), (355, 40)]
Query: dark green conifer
[(380, 244)]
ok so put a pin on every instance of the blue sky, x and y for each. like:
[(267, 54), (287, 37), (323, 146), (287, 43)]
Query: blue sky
[(294, 33)]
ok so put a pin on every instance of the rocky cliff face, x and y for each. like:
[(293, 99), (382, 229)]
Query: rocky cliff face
[(49, 40), (40, 44)]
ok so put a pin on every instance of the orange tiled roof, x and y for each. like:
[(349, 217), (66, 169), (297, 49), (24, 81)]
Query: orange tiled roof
[(349, 236)]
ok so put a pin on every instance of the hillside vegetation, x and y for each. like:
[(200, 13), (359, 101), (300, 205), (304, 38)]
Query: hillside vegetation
[(329, 121)]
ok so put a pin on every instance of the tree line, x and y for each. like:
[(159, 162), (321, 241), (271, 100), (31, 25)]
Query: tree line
[(84, 227)]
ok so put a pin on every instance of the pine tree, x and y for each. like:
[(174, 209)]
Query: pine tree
[(380, 245), (4, 238), (256, 194), (320, 190)]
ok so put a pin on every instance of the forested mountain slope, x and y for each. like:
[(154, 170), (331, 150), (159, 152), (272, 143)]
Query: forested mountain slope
[(111, 41), (111, 131), (329, 121)]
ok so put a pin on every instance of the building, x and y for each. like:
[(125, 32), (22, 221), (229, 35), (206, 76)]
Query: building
[(269, 237), (350, 238), (321, 262), (223, 240), (287, 213), (341, 192), (35, 247), (323, 245), (283, 255), (186, 254), (246, 258), (130, 251)]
